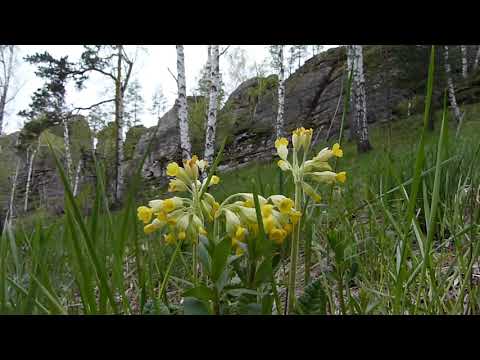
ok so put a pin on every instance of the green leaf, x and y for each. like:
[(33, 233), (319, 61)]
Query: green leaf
[(204, 257), (192, 306), (220, 257), (201, 292)]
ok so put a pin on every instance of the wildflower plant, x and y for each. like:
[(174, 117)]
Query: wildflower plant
[(305, 172)]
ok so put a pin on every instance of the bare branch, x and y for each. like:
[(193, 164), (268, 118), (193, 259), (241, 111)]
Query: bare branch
[(92, 106), (224, 51), (176, 80)]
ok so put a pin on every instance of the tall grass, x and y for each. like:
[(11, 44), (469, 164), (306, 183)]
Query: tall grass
[(401, 237)]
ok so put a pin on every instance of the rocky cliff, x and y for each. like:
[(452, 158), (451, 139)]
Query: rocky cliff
[(395, 79)]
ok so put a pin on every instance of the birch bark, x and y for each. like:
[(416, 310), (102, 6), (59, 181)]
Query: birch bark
[(182, 105), (212, 108)]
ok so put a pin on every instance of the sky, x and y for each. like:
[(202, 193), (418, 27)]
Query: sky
[(151, 69)]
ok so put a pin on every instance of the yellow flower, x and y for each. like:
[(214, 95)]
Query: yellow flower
[(295, 216), (177, 185), (281, 142), (240, 233), (162, 216), (156, 205), (150, 228), (266, 210), (144, 214), (182, 235), (268, 223), (172, 204), (288, 228), (341, 177), (277, 235), (202, 230), (232, 221), (283, 203), (284, 165), (337, 151), (169, 239), (214, 180), (172, 169)]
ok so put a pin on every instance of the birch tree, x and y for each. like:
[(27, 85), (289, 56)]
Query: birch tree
[(276, 52), (451, 89), (7, 62), (10, 214), (464, 51), (77, 177), (113, 62), (477, 59), (29, 175), (212, 108), (182, 109), (360, 100), (350, 68)]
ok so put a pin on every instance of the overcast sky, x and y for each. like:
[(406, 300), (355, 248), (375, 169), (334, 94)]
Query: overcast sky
[(151, 69)]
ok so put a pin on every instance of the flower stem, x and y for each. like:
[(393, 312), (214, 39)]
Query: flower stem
[(294, 253)]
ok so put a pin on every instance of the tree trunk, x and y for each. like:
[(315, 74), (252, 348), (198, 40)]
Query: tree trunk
[(477, 59), (185, 145), (363, 144), (7, 75), (352, 134), (451, 88), (68, 153), (10, 213), (77, 177), (281, 94), (29, 177), (119, 128), (212, 108), (463, 48)]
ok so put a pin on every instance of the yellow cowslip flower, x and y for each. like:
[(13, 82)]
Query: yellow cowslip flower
[(277, 235), (288, 228), (144, 214), (328, 176), (191, 167), (169, 239), (162, 216), (269, 223), (240, 233), (337, 151), (297, 138), (283, 203), (202, 231), (284, 165), (295, 216), (176, 185), (181, 235), (317, 165), (156, 205), (172, 169), (150, 228), (341, 176), (232, 221), (307, 140), (266, 210), (281, 146), (249, 202), (215, 207), (311, 192), (214, 180), (171, 204)]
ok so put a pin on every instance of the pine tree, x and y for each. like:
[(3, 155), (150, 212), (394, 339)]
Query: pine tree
[(159, 103), (134, 104)]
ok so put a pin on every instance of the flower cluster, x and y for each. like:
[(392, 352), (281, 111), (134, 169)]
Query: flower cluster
[(277, 212), (183, 218), (317, 169)]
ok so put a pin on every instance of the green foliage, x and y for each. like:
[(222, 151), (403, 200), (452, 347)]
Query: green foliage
[(314, 300)]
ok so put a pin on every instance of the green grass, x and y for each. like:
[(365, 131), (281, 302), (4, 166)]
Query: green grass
[(374, 256)]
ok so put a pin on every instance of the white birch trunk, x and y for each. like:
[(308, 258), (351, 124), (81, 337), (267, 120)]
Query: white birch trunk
[(463, 48), (68, 153), (352, 68), (363, 144), (77, 177), (119, 123), (281, 93), (29, 177), (7, 74), (451, 88), (10, 213), (185, 145), (212, 108), (477, 59)]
